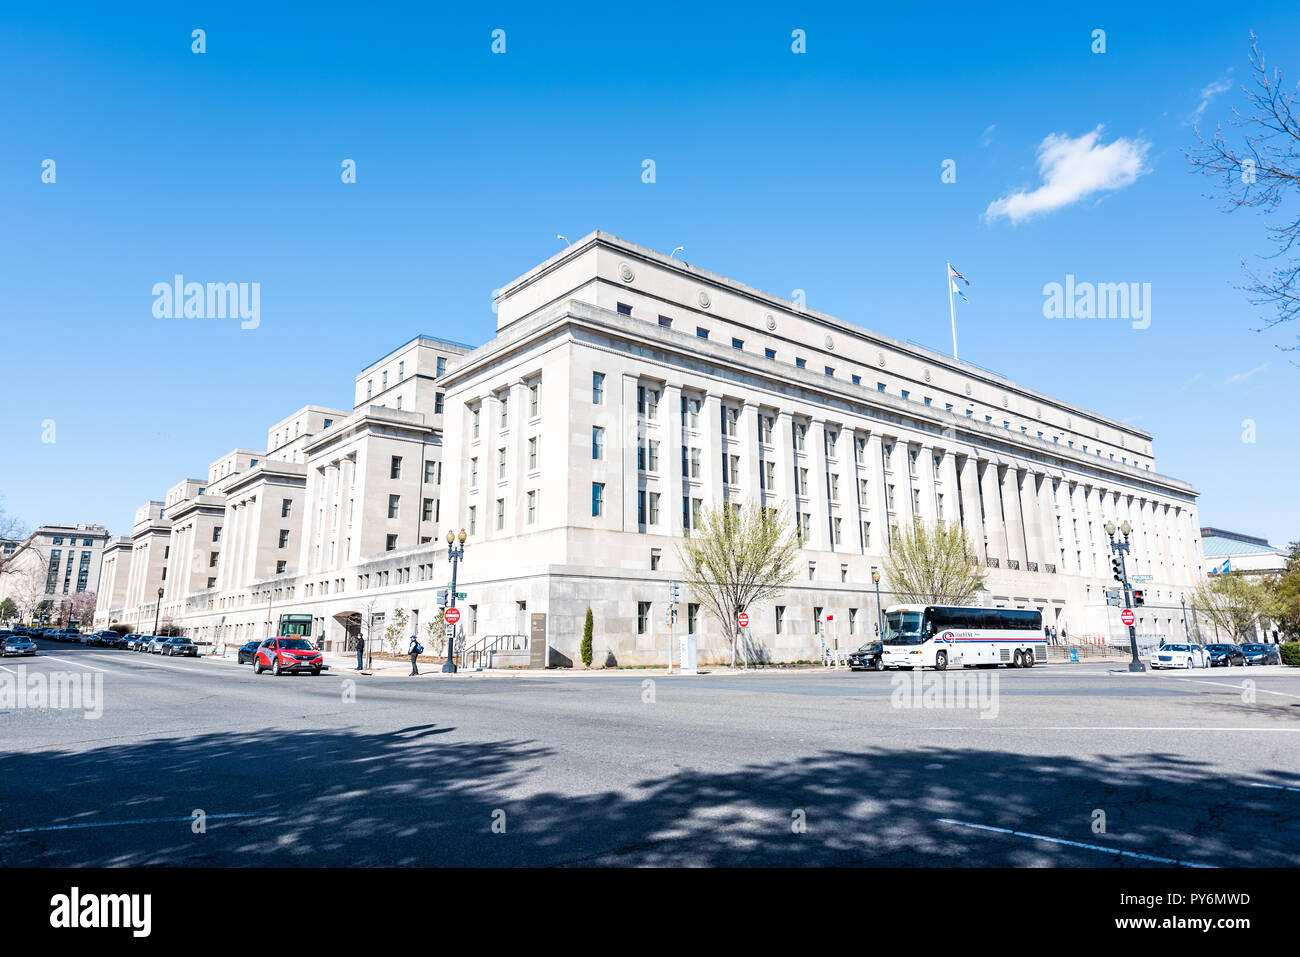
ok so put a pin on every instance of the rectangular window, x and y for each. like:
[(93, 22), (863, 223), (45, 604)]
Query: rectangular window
[(474, 420), (624, 309), (642, 617), (473, 472), (280, 567), (370, 388), (401, 371), (701, 332), (905, 394), (695, 463), (501, 514), (830, 371), (473, 519), (769, 353), (216, 533), (665, 322), (598, 388), (801, 363), (390, 543), (692, 618), (286, 505), (737, 343), (426, 510), (656, 556), (866, 534), (395, 467), (768, 477), (532, 507), (532, 453), (437, 403), (501, 463), (780, 619), (505, 411), (442, 365), (880, 387), (597, 442), (654, 508), (597, 498), (835, 487), (284, 538), (640, 507), (213, 558), (534, 399), (835, 530), (393, 502)]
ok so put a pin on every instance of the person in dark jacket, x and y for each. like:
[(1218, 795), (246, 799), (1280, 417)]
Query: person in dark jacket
[(414, 651), (361, 648)]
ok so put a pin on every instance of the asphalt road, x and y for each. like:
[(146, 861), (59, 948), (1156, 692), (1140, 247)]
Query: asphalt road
[(1063, 765)]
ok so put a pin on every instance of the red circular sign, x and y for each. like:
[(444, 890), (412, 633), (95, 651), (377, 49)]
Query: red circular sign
[(1126, 616), (451, 616), (743, 619)]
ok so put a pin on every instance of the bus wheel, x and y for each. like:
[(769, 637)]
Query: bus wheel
[(941, 661), (1016, 660), (1027, 657)]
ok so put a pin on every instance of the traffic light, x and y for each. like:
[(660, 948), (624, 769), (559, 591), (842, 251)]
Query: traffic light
[(442, 598), (1114, 567), (1137, 597), (674, 593)]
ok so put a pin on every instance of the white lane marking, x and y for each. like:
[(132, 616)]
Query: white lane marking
[(1277, 787), (143, 820), (1086, 727), (1222, 684), (159, 664), (1087, 847), (67, 661), (10, 670)]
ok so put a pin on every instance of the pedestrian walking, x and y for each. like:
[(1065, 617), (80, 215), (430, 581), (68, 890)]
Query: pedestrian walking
[(361, 648), (414, 651)]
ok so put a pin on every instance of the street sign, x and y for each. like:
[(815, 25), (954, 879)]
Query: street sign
[(1140, 578), (460, 595), (1126, 616), (743, 619), (451, 616)]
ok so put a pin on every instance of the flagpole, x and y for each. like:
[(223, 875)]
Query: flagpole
[(952, 310)]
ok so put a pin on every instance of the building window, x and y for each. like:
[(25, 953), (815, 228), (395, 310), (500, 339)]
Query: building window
[(426, 510), (280, 566), (390, 543), (880, 387), (401, 371), (213, 557), (780, 619), (532, 453), (395, 467), (830, 371), (701, 332), (532, 507), (642, 617), (654, 508), (769, 353), (835, 530), (692, 617), (598, 388), (505, 410), (817, 620), (597, 442), (656, 556), (473, 519), (212, 583), (216, 533), (665, 322), (286, 506), (501, 463), (442, 365), (474, 419), (597, 499), (624, 309), (652, 462), (801, 363), (737, 343), (853, 621), (501, 514), (370, 388), (437, 403), (866, 534), (534, 399), (473, 472), (430, 471), (640, 507), (690, 412), (393, 502), (284, 538), (384, 383)]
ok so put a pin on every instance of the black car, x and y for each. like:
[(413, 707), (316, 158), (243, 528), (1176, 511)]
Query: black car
[(867, 658), (1261, 654), (245, 654), (179, 646), (1225, 655)]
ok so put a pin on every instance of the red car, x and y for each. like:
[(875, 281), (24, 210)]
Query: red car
[(286, 655)]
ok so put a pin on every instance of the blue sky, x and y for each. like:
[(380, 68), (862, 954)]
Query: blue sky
[(818, 171)]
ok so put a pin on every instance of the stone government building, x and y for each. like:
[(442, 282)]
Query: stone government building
[(623, 391)]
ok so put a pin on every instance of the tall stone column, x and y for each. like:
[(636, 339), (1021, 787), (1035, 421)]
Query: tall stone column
[(747, 446), (971, 518), (995, 529), (711, 450), (818, 499), (1027, 483), (877, 514), (622, 434), (925, 482), (1016, 548)]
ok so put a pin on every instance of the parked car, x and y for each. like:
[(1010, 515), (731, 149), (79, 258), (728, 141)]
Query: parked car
[(287, 655), (1225, 655), (12, 644), (179, 646), (868, 657), (154, 644), (1256, 654), (1179, 656), (246, 651)]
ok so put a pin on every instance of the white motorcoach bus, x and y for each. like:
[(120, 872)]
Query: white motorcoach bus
[(937, 636)]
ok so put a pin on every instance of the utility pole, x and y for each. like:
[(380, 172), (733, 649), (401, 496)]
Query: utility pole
[(454, 555), (1120, 549)]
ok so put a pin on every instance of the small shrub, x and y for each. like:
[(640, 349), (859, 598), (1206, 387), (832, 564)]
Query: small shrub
[(587, 628), (1290, 653)]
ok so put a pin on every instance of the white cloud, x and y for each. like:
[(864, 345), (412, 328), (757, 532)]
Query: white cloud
[(1071, 170), (1210, 91), (1243, 376), (987, 136)]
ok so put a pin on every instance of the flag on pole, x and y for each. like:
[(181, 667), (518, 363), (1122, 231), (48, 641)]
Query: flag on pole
[(957, 290), (953, 276)]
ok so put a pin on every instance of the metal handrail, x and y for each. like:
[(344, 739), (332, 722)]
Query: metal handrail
[(485, 646)]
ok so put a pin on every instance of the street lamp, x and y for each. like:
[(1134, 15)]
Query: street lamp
[(875, 577), (454, 555), (157, 611), (1120, 548), (1182, 600)]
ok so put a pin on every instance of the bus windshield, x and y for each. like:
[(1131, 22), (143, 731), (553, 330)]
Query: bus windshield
[(903, 628)]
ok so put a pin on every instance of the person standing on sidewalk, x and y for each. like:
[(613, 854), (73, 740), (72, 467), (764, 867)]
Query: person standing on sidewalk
[(414, 652), (361, 648)]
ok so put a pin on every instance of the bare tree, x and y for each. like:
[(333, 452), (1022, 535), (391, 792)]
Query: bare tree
[(81, 606), (736, 556), (933, 564), (27, 584), (1256, 160), (1233, 603)]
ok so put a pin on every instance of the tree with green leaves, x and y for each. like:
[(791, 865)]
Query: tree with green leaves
[(8, 609), (1285, 590), (395, 632), (1234, 603), (587, 628), (437, 630), (933, 565), (736, 556)]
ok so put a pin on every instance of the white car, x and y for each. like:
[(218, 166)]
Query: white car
[(1179, 656)]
